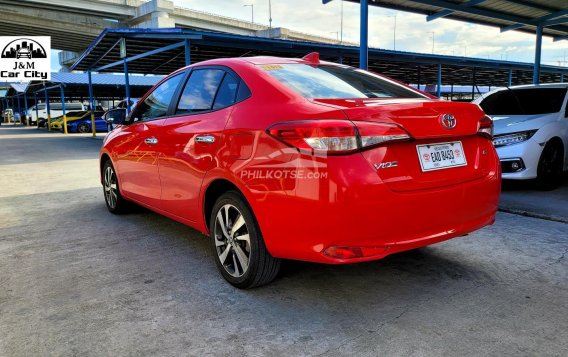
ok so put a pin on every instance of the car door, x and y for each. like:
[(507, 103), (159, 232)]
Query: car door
[(136, 148), (194, 134)]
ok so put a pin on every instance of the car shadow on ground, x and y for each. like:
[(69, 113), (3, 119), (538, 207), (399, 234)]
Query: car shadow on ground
[(413, 275)]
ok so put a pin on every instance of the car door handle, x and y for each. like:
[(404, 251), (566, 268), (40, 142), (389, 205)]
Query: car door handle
[(207, 139), (151, 141)]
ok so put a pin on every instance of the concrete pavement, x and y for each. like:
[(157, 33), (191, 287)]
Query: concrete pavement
[(76, 280), (520, 197)]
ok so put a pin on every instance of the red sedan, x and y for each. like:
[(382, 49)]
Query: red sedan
[(278, 158)]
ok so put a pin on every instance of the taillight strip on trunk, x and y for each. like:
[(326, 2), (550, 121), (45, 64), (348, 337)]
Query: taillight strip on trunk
[(336, 137)]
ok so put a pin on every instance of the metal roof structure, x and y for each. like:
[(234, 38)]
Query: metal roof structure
[(543, 17), (75, 84), (102, 79), (20, 87), (520, 15), (168, 53)]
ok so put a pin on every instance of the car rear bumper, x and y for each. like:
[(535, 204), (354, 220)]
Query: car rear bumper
[(354, 208)]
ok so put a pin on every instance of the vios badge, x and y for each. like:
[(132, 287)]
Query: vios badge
[(448, 121), (386, 165)]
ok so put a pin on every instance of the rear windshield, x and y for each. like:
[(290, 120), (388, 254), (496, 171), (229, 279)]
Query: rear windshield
[(530, 101), (335, 82)]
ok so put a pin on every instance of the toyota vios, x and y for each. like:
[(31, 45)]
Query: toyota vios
[(279, 158)]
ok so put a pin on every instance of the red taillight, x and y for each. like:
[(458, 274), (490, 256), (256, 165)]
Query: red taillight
[(336, 136), (486, 127)]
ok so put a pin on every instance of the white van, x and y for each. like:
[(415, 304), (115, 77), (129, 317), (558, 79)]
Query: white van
[(55, 110)]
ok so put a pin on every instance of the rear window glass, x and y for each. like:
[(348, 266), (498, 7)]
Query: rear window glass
[(331, 82), (530, 101)]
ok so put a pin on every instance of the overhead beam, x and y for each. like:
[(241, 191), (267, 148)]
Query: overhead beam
[(447, 12), (547, 20), (532, 5), (559, 21), (473, 10), (142, 55)]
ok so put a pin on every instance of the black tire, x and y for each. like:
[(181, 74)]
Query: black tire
[(115, 203), (262, 267), (83, 128), (550, 166)]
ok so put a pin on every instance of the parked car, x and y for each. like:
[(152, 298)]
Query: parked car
[(531, 131), (83, 125), (279, 158), (55, 110), (57, 124)]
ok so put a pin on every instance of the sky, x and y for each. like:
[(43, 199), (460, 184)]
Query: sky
[(413, 32)]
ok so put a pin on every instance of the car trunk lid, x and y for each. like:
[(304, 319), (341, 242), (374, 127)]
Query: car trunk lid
[(398, 164)]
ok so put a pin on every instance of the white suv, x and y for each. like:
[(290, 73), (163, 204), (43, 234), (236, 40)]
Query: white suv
[(531, 131)]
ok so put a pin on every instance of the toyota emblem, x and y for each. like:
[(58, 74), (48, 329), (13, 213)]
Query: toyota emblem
[(448, 121)]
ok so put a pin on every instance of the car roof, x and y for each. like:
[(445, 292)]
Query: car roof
[(258, 60), (545, 85)]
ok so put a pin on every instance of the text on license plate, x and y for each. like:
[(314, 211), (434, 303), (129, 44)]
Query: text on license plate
[(441, 155)]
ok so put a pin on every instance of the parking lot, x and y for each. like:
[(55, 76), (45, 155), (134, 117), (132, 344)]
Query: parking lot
[(76, 280)]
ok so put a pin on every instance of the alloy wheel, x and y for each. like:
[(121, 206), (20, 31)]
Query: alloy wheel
[(83, 128), (111, 190), (232, 240)]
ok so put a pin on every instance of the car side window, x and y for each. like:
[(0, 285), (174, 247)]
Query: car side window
[(199, 92), (227, 93), (244, 92), (157, 103)]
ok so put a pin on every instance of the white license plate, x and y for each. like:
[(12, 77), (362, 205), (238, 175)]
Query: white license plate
[(441, 155)]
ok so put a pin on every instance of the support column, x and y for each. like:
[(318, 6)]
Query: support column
[(561, 77), (19, 111), (127, 87), (439, 89), (419, 79), (473, 85), (537, 55), (91, 106), (187, 52), (47, 108), (37, 110), (26, 109), (364, 35), (63, 109), (510, 79)]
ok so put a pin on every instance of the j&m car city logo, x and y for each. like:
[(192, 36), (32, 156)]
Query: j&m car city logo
[(25, 58)]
